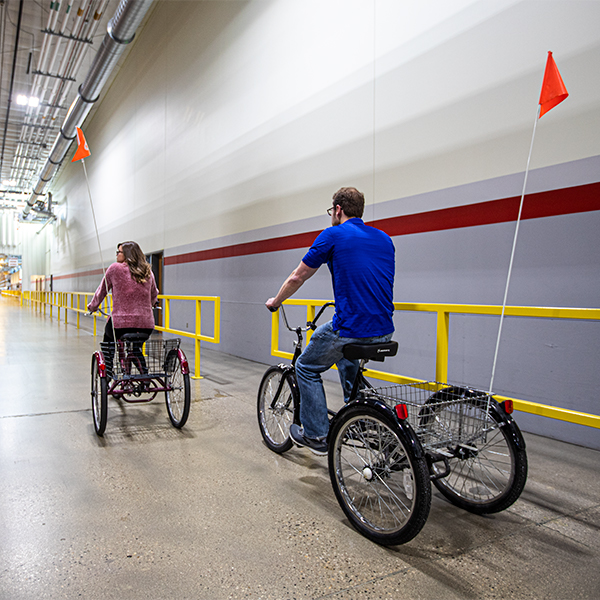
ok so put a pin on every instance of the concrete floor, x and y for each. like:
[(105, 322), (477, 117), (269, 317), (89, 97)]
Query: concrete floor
[(210, 513)]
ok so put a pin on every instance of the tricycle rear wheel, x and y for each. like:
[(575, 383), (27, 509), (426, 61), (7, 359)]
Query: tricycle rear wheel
[(99, 397), (178, 396), (487, 474), (381, 484)]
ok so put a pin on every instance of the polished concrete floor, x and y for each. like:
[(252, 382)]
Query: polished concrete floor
[(209, 512)]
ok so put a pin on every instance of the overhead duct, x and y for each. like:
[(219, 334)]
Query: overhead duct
[(119, 32)]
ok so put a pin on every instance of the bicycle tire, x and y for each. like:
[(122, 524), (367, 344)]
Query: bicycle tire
[(178, 396), (489, 475), (379, 481), (99, 398), (276, 412)]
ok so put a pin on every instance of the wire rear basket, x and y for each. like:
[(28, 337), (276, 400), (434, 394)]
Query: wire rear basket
[(443, 416), (129, 360)]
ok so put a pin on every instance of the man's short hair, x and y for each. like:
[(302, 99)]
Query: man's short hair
[(351, 201)]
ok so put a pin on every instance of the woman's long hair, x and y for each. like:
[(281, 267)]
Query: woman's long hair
[(136, 261)]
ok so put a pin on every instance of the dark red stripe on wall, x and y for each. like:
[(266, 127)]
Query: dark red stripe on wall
[(288, 242), (82, 274), (583, 198), (565, 201)]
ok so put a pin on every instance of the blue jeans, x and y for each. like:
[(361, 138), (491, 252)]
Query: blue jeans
[(324, 351)]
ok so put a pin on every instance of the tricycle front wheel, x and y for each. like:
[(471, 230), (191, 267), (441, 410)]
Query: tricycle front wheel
[(276, 404)]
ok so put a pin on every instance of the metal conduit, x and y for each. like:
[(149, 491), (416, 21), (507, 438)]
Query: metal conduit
[(119, 32)]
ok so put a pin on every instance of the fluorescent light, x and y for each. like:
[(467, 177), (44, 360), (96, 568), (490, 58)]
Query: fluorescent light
[(32, 101)]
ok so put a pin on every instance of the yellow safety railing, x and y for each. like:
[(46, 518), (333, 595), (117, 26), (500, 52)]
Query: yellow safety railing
[(443, 312), (197, 335), (77, 302)]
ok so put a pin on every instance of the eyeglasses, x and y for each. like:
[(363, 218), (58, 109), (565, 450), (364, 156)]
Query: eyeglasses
[(330, 210), (119, 252)]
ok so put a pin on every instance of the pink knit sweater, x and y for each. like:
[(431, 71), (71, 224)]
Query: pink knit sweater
[(132, 301)]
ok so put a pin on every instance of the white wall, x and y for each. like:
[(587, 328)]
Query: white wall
[(35, 245), (10, 232), (230, 116)]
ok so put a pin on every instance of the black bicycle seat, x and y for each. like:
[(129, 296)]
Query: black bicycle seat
[(134, 337), (370, 351)]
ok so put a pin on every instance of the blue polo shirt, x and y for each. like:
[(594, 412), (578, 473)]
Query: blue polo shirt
[(362, 264)]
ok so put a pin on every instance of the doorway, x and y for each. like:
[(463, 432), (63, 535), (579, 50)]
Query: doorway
[(156, 263)]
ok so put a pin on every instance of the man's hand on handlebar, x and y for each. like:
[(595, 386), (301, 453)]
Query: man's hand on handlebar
[(270, 304)]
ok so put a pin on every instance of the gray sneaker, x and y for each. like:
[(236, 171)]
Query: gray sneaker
[(317, 446)]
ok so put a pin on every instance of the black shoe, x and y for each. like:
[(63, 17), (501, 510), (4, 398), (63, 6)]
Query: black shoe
[(317, 446)]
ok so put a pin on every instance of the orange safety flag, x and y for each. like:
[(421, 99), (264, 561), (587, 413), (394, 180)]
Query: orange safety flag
[(83, 150), (553, 88)]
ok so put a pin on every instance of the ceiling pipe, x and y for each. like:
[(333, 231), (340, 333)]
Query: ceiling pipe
[(12, 81), (120, 32), (84, 27)]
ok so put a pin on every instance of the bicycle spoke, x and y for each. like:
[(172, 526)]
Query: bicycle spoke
[(367, 457)]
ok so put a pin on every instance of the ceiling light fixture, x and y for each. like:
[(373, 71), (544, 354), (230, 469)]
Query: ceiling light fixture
[(32, 101)]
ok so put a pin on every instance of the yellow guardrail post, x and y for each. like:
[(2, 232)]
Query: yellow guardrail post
[(442, 343), (197, 340), (275, 334), (217, 320)]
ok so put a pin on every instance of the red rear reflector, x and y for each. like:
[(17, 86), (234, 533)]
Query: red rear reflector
[(102, 367), (508, 406), (401, 411)]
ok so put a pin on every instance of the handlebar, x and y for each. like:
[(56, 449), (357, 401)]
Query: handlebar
[(89, 313), (310, 324)]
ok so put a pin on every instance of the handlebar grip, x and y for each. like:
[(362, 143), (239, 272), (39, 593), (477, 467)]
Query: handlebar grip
[(272, 308)]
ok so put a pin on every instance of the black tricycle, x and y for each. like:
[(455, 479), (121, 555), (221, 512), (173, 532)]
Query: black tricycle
[(388, 444)]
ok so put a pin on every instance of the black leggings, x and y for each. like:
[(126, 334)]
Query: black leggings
[(120, 332)]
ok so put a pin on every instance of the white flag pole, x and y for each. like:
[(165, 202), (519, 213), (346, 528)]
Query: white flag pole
[(87, 181), (512, 254)]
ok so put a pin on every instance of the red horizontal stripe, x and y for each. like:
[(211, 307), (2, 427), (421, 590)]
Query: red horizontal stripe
[(82, 274), (288, 242), (564, 201)]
